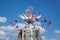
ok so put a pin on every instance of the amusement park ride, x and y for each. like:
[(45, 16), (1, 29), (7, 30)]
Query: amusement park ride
[(29, 33)]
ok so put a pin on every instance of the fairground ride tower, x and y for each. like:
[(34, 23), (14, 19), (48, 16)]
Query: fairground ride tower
[(29, 33)]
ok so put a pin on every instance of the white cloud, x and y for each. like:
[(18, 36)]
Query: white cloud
[(12, 30), (3, 28), (53, 39), (37, 23), (43, 38), (20, 25), (2, 34), (3, 19), (57, 31)]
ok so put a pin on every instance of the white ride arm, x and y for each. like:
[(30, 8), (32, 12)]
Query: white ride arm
[(25, 16), (22, 17), (36, 17), (39, 16)]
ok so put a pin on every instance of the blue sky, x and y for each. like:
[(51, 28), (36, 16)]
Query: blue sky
[(50, 9)]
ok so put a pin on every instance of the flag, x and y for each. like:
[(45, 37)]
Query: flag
[(49, 23), (45, 20), (16, 20), (17, 26), (11, 23)]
